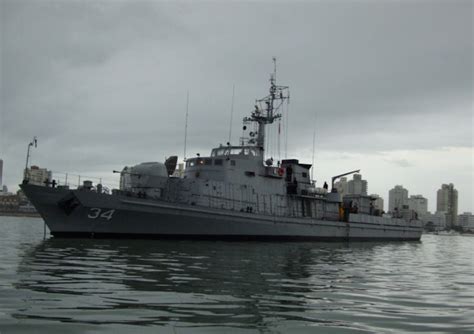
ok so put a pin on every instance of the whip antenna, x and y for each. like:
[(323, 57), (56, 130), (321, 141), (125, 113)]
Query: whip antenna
[(231, 112), (186, 125)]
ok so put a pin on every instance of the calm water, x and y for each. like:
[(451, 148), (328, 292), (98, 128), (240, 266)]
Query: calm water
[(118, 286)]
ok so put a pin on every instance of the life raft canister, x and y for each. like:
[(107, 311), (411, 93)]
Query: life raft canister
[(281, 171)]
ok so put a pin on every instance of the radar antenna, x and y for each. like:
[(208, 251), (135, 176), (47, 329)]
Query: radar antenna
[(267, 109)]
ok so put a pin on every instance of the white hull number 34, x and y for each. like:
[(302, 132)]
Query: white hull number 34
[(95, 213)]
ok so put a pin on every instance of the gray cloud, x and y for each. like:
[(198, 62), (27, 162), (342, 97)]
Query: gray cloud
[(104, 83), (400, 162)]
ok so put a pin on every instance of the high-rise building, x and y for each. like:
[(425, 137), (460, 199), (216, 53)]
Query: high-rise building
[(341, 186), (38, 176), (419, 204), (397, 198), (357, 186), (447, 201), (378, 202), (1, 173)]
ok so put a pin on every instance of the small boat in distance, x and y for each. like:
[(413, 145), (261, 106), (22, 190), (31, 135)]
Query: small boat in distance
[(234, 193)]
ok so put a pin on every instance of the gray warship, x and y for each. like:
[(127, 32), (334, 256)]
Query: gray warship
[(234, 193)]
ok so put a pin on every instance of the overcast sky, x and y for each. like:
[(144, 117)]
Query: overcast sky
[(386, 85)]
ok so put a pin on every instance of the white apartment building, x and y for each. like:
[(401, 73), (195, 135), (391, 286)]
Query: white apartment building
[(378, 203), (419, 204), (357, 186), (436, 220), (397, 198), (466, 221), (342, 186), (38, 176)]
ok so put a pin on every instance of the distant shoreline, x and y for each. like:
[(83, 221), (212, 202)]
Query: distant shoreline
[(20, 214)]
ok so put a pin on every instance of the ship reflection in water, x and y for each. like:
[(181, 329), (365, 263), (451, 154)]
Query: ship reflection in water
[(202, 286)]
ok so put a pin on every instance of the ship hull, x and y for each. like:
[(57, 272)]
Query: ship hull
[(76, 213)]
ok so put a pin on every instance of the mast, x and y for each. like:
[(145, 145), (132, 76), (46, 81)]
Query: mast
[(267, 109)]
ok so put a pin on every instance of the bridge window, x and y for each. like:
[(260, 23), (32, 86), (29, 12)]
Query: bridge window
[(226, 151), (232, 162), (218, 162)]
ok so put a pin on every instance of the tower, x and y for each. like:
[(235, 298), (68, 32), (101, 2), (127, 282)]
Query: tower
[(447, 201)]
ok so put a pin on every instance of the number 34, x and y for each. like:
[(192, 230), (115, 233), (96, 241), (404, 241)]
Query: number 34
[(95, 213)]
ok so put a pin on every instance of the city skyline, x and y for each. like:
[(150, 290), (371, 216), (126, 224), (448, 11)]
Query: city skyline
[(415, 202), (104, 86)]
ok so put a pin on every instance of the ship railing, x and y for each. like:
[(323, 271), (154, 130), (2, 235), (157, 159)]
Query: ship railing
[(269, 204), (76, 181)]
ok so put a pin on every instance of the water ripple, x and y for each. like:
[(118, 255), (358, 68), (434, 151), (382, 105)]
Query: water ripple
[(185, 286)]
